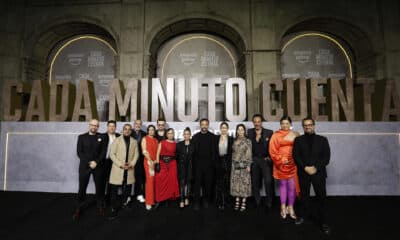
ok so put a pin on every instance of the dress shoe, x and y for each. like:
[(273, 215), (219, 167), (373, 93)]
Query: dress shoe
[(76, 215), (196, 207), (127, 201), (156, 205), (127, 206), (113, 215), (205, 204), (269, 205), (325, 229), (299, 221), (102, 212)]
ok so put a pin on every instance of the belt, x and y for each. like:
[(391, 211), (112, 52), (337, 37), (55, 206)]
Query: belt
[(167, 159)]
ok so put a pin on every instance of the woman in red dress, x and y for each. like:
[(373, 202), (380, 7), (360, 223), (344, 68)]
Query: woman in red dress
[(166, 180), (149, 148)]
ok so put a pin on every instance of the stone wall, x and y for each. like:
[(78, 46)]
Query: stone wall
[(30, 29)]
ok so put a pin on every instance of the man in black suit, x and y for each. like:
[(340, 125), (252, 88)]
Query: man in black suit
[(91, 151), (138, 134), (261, 168), (109, 138), (311, 153), (204, 163)]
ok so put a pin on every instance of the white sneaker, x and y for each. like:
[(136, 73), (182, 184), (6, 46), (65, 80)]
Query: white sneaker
[(140, 198), (148, 207)]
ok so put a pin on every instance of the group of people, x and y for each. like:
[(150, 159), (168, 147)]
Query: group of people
[(205, 167)]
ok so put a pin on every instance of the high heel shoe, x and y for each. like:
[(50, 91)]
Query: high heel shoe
[(292, 214), (237, 205), (283, 212), (243, 207)]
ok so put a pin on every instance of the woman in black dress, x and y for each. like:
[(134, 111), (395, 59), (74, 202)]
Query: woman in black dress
[(184, 154), (223, 172)]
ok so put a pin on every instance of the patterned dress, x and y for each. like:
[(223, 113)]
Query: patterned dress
[(241, 159)]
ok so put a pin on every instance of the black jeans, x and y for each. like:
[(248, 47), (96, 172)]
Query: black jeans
[(84, 177), (126, 192), (107, 170), (139, 177), (319, 184), (261, 171)]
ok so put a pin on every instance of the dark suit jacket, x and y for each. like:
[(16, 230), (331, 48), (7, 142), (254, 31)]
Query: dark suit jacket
[(89, 150), (266, 135), (220, 165), (138, 138), (318, 155), (181, 154), (106, 139), (230, 143)]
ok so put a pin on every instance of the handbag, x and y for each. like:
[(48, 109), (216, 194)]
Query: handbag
[(239, 165), (157, 167)]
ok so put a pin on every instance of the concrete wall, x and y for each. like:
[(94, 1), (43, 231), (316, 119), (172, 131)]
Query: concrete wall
[(30, 29), (42, 156), (366, 162)]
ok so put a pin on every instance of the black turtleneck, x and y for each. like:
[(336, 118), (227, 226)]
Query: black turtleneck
[(310, 140), (127, 140)]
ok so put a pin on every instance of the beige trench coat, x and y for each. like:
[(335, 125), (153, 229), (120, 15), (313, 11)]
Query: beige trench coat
[(118, 155)]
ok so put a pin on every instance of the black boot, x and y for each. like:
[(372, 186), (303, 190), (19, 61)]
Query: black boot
[(114, 214)]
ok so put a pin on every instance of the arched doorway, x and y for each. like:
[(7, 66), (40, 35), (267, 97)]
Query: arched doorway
[(200, 49), (315, 55), (85, 57), (199, 57)]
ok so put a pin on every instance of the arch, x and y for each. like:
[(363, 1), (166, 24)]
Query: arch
[(196, 25), (358, 42), (39, 49), (339, 45), (72, 40)]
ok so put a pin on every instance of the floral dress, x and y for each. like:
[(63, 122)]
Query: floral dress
[(241, 159)]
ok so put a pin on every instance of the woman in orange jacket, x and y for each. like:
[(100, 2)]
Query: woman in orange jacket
[(284, 169)]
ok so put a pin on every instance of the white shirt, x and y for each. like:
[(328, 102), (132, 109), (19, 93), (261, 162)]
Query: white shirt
[(111, 138)]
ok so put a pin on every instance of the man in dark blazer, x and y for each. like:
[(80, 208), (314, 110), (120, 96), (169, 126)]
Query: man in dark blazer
[(311, 153), (108, 138), (91, 151), (261, 168), (138, 134)]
